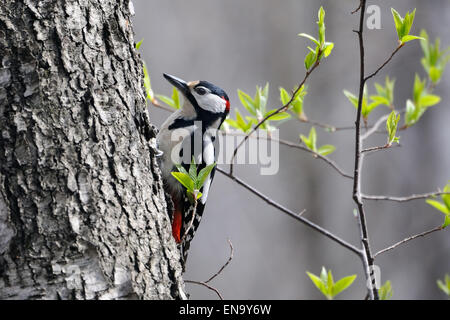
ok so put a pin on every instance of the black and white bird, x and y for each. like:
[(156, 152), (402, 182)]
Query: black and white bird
[(190, 132)]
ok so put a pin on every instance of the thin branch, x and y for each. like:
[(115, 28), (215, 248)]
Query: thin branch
[(316, 155), (379, 148), (368, 258), (385, 63), (322, 125), (226, 263), (333, 164), (375, 127), (292, 214), (357, 9), (201, 283), (194, 211), (405, 199), (206, 283), (438, 228), (280, 109)]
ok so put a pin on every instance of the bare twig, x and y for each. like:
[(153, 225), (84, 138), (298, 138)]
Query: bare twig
[(325, 126), (206, 283), (290, 144), (194, 210), (375, 127), (405, 199), (385, 63), (226, 263), (357, 9), (292, 214), (379, 148), (438, 228), (201, 283)]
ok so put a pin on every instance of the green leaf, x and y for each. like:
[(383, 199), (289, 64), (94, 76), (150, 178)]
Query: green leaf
[(380, 100), (321, 23), (176, 98), (181, 169), (147, 84), (352, 98), (167, 100), (317, 282), (446, 221), (435, 74), (313, 139), (278, 116), (328, 47), (343, 284), (445, 288), (305, 35), (410, 38), (411, 114), (284, 96), (193, 170), (438, 205), (398, 23), (204, 173), (429, 100), (391, 126), (247, 102), (326, 149), (184, 179), (310, 59), (446, 197), (385, 291), (138, 45)]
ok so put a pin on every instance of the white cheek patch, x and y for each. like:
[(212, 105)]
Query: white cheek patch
[(211, 102)]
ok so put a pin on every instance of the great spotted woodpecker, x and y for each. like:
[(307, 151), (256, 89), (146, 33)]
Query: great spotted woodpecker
[(190, 132)]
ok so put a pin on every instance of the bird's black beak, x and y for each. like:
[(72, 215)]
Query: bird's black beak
[(178, 83)]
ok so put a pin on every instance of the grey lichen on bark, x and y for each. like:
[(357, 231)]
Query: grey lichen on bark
[(82, 209)]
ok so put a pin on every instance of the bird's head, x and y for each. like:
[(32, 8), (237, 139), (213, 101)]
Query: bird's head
[(202, 95)]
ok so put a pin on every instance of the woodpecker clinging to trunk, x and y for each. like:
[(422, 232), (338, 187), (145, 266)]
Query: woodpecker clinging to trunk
[(190, 132)]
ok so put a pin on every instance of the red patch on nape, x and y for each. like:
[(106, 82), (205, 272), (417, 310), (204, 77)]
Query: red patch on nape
[(227, 105)]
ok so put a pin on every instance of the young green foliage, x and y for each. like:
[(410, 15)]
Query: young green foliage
[(192, 180), (326, 285), (174, 101), (256, 106), (240, 123), (323, 48), (444, 206), (311, 143), (434, 60), (368, 104), (385, 291), (403, 25), (296, 106), (147, 84), (385, 95), (445, 285), (391, 127), (422, 100), (138, 45)]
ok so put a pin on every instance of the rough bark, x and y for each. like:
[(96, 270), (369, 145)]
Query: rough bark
[(82, 210)]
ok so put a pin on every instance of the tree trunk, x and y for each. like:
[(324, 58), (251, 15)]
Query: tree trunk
[(82, 209)]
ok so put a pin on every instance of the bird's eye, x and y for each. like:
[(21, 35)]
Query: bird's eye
[(201, 91)]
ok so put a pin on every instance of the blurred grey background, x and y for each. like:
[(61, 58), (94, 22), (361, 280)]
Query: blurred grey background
[(241, 44)]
